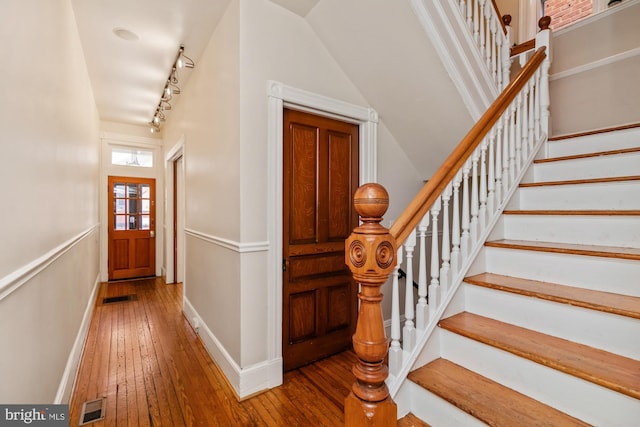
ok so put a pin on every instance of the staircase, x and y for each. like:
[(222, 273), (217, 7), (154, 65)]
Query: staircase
[(545, 330)]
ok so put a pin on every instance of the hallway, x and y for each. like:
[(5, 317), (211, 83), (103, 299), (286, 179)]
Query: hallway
[(144, 357)]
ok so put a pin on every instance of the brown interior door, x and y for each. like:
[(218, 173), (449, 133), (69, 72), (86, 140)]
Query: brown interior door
[(319, 295), (132, 220)]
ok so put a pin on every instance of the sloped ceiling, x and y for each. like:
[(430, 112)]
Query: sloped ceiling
[(386, 53)]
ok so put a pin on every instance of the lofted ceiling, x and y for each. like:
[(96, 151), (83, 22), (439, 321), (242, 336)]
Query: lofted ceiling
[(128, 74), (379, 44)]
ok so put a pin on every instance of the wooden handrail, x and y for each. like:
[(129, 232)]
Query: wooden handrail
[(495, 7), (523, 47), (418, 207)]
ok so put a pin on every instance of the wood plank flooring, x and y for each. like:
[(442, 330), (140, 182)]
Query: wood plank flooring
[(144, 357)]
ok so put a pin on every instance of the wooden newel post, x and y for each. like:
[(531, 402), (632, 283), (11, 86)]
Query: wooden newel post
[(371, 256)]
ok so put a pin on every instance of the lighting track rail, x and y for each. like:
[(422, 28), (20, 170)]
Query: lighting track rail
[(170, 88)]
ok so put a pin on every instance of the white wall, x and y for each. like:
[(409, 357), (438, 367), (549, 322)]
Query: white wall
[(223, 120), (594, 72), (49, 179)]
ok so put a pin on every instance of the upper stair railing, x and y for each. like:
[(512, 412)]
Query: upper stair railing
[(492, 35), (448, 221)]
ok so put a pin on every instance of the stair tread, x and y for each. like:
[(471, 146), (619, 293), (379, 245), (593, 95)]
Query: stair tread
[(593, 132), (591, 212), (411, 420), (486, 400), (623, 305), (588, 155), (568, 248), (582, 181), (618, 373)]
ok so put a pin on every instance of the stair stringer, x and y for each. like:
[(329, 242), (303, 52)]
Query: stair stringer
[(422, 353), (458, 52)]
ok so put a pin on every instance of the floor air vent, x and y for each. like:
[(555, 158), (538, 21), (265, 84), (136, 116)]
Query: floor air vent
[(122, 298), (92, 411)]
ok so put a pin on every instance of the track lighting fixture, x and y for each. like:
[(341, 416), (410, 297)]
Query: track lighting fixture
[(170, 88)]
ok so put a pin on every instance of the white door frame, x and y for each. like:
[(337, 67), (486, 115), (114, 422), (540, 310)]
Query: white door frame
[(176, 152), (281, 96)]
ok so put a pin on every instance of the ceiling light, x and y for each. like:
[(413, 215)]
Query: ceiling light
[(125, 34), (170, 88)]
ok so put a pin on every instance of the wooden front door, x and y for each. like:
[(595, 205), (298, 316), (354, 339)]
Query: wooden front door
[(320, 176), (132, 220)]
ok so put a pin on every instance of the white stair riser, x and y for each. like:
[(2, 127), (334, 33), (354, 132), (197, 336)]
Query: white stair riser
[(610, 195), (588, 167), (574, 396), (438, 412), (594, 143), (594, 328), (621, 231), (589, 272)]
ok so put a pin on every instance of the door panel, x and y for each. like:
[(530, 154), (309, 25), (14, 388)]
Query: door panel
[(131, 227), (320, 178)]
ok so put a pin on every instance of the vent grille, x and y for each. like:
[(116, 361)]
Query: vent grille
[(92, 411), (121, 298)]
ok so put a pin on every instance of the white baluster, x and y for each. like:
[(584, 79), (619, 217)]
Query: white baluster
[(463, 9), (464, 240), (499, 61), (532, 140), (491, 197), (506, 118), (512, 143), (445, 279), (470, 14), (475, 158), (409, 330), (518, 125), (537, 104), (499, 161), (482, 212), (494, 65), (525, 122), (422, 309), (434, 285), (395, 351), (481, 29), (476, 22), (506, 59), (455, 226)]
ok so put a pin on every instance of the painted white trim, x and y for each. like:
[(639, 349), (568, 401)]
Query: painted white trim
[(174, 154), (67, 383), (19, 277), (595, 64), (130, 140), (279, 95), (227, 243), (594, 17), (245, 381)]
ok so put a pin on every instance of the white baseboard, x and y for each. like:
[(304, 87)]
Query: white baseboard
[(245, 381), (71, 369)]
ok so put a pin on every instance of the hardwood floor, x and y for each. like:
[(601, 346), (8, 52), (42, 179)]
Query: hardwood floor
[(148, 362)]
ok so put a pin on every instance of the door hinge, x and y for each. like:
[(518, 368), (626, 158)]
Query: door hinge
[(284, 264)]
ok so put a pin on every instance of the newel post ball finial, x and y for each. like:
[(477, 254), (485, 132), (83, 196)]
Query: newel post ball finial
[(544, 22), (370, 253), (506, 20)]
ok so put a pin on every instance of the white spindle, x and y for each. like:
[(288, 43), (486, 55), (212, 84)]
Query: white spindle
[(499, 63), (464, 240), (470, 14), (482, 211), (463, 9), (474, 197), (434, 285), (506, 59), (525, 122), (422, 309), (395, 351), (491, 177), (455, 226), (445, 279), (532, 139), (512, 143), (409, 330), (481, 28), (499, 135), (518, 139), (494, 65), (537, 104), (476, 21)]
